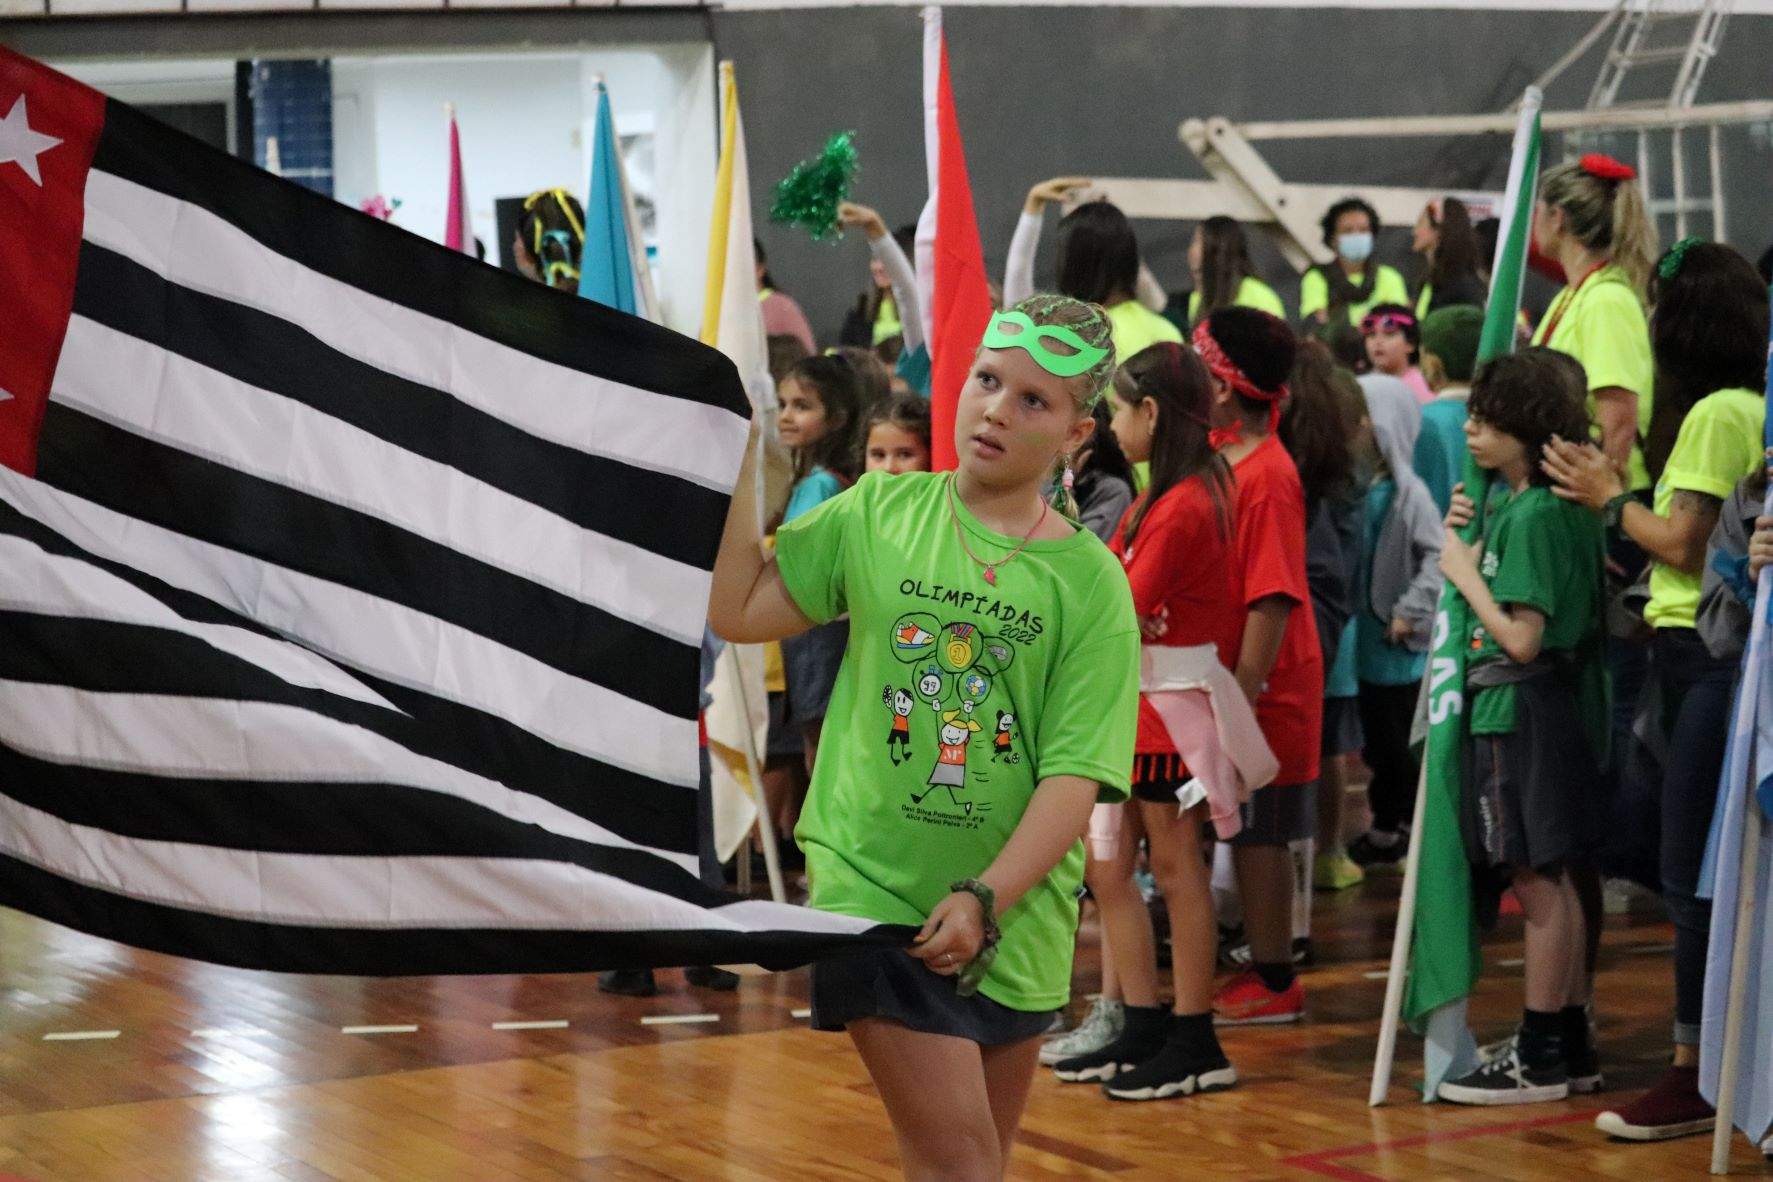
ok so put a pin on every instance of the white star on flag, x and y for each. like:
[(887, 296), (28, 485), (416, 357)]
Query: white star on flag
[(5, 396), (20, 145)]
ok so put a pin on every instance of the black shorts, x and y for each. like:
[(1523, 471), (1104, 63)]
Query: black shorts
[(1278, 815), (888, 983), (1527, 792), (1156, 778)]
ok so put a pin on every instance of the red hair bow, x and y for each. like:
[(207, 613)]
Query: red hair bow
[(1606, 168)]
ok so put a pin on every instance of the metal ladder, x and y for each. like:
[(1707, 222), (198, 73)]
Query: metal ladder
[(1683, 34), (1652, 36)]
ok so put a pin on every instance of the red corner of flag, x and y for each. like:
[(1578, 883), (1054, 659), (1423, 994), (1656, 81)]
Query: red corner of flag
[(49, 129), (962, 295)]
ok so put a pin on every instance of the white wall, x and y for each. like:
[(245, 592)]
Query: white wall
[(525, 120), (525, 123)]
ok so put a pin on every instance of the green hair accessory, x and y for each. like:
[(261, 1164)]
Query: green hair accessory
[(813, 189), (1677, 254), (1017, 330)]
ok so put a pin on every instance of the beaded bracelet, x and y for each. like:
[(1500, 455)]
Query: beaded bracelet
[(975, 969)]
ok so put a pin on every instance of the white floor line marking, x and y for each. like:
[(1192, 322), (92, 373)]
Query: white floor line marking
[(378, 1029), (800, 1013), (548, 1024), (677, 1019), (223, 1032), (1377, 975), (1648, 949), (79, 1035), (1514, 963)]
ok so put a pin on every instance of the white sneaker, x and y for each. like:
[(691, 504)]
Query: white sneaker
[(1767, 1148), (1101, 1026)]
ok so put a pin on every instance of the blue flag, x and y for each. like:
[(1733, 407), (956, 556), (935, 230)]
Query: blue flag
[(1747, 784), (606, 272)]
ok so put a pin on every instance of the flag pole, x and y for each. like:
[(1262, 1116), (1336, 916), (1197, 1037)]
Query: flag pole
[(1400, 949), (1730, 1068), (1446, 664)]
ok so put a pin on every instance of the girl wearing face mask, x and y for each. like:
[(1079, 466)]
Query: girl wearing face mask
[(1349, 287), (988, 698)]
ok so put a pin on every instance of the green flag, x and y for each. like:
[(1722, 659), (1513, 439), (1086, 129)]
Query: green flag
[(1444, 952)]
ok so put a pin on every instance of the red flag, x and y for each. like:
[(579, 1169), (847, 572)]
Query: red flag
[(960, 303), (49, 129), (458, 233)]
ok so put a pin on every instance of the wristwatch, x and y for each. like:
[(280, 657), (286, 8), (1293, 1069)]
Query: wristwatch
[(1613, 512)]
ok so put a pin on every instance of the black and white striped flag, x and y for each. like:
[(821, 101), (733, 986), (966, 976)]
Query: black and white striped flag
[(350, 590)]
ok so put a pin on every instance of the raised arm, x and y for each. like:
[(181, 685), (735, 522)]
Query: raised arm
[(1018, 277), (749, 603)]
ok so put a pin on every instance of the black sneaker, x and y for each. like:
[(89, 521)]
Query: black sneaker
[(1139, 1040), (1506, 1079), (1581, 1059), (710, 977), (628, 982), (1584, 1069), (1582, 1065), (1368, 850), (1176, 1070)]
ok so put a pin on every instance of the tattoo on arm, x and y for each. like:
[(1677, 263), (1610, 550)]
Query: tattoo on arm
[(1697, 503)]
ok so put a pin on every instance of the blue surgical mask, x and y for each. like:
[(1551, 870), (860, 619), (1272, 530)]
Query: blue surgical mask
[(1356, 248)]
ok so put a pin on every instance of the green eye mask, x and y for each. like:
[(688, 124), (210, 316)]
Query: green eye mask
[(1015, 330)]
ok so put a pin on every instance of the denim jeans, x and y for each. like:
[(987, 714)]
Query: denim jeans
[(1695, 689)]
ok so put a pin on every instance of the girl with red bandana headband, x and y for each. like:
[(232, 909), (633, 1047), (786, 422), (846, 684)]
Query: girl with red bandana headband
[(1278, 662)]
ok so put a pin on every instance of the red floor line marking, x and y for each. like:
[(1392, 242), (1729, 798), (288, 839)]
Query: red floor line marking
[(1323, 1161)]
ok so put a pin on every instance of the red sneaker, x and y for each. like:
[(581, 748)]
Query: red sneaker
[(1671, 1108), (1246, 1001)]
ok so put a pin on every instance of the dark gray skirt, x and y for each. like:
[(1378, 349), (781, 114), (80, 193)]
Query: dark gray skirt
[(888, 983)]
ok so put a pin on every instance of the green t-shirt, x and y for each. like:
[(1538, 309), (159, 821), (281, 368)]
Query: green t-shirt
[(1251, 293), (955, 699), (1388, 288), (1719, 444), (1603, 326), (1547, 554), (1135, 328)]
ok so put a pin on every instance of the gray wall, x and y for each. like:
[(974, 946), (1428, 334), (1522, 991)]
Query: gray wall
[(1042, 91), (1049, 91)]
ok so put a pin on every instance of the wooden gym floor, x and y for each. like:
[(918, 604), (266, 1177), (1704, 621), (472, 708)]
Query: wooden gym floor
[(117, 1064)]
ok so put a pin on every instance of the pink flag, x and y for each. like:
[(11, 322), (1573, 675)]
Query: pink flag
[(458, 232)]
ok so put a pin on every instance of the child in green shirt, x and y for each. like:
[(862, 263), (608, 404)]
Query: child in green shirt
[(987, 700), (1535, 682)]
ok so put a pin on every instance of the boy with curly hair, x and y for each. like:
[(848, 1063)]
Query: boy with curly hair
[(1535, 685)]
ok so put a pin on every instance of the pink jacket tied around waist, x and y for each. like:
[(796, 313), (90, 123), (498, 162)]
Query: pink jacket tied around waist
[(1214, 729)]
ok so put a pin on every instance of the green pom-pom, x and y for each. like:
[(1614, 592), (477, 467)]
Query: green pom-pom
[(811, 192)]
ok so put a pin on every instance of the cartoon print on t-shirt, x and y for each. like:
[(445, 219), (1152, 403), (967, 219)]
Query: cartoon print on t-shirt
[(956, 666), (1003, 740), (950, 771), (899, 737)]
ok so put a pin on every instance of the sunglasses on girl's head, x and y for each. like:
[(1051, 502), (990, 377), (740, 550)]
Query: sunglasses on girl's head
[(1389, 322)]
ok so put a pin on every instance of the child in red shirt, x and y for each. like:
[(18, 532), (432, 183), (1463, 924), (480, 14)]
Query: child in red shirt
[(1175, 543), (1276, 656)]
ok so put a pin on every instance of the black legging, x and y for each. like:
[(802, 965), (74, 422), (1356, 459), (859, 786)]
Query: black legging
[(1695, 689), (1386, 712)]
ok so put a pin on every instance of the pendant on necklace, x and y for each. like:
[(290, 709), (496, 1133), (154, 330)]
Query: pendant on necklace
[(991, 575)]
